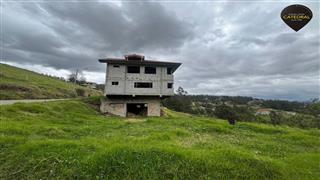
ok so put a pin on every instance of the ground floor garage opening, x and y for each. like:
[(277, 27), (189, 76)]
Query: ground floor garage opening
[(137, 109)]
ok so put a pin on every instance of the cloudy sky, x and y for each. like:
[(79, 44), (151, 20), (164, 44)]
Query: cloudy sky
[(227, 48)]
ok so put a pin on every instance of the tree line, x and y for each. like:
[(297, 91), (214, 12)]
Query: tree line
[(302, 114)]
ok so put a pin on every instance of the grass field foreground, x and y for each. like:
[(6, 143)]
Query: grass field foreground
[(70, 139)]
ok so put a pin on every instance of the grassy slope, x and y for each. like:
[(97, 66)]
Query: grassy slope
[(16, 83), (69, 139)]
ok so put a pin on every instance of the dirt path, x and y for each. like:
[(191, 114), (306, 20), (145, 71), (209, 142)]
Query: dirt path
[(8, 102)]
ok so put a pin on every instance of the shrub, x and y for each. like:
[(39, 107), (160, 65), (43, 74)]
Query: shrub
[(94, 100), (80, 92), (275, 118), (226, 112)]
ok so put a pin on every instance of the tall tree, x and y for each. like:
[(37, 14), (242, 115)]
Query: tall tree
[(180, 91), (77, 77)]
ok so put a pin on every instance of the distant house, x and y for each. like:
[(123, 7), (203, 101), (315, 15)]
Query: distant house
[(263, 111), (290, 113), (134, 86)]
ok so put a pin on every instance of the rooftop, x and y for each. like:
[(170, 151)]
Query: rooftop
[(135, 59)]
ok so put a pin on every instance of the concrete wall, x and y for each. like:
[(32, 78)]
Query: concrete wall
[(126, 82), (118, 106)]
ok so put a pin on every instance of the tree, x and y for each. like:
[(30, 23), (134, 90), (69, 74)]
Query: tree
[(275, 118), (283, 105), (180, 91), (226, 112), (315, 100), (73, 77), (313, 109), (82, 80), (77, 77)]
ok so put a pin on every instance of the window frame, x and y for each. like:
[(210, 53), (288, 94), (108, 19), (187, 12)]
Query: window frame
[(114, 83), (169, 72), (131, 69), (170, 85), (135, 85), (116, 66), (145, 70)]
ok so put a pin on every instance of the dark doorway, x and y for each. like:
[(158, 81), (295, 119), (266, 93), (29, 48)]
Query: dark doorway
[(137, 109)]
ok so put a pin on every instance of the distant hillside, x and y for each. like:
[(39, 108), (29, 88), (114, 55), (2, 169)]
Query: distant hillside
[(17, 83), (291, 113), (71, 140)]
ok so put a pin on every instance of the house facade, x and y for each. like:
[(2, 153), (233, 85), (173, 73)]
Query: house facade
[(135, 86)]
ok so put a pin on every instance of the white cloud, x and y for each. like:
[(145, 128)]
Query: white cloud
[(41, 69)]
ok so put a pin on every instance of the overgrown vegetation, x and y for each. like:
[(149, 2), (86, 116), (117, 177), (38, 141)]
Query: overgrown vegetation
[(16, 83), (71, 140), (283, 105)]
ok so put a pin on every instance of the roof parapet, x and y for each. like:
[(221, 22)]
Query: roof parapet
[(139, 61)]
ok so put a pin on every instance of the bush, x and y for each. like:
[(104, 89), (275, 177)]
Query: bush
[(80, 92), (226, 112), (93, 101), (275, 118)]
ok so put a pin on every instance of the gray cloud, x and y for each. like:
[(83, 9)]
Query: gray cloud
[(65, 34), (225, 48)]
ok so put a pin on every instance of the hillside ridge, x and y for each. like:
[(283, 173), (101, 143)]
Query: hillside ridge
[(18, 83)]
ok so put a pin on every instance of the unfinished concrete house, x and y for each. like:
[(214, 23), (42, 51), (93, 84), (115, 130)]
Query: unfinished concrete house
[(135, 86)]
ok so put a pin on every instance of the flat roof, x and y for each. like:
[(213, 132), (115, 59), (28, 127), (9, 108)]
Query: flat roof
[(119, 61)]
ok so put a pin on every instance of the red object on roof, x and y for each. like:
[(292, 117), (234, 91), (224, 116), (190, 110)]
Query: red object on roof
[(134, 57)]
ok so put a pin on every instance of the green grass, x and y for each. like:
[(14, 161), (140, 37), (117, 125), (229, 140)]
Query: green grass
[(16, 83), (71, 140)]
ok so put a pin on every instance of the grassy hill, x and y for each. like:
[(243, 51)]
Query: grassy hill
[(16, 83), (71, 140)]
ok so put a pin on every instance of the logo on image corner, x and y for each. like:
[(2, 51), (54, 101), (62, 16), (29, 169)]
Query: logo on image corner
[(296, 16)]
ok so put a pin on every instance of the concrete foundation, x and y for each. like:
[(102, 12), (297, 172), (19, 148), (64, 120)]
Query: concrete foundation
[(117, 105)]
